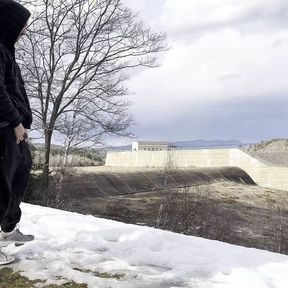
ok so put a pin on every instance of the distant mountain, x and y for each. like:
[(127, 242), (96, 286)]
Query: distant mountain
[(199, 143)]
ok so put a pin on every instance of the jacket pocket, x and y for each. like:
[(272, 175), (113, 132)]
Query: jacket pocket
[(2, 146)]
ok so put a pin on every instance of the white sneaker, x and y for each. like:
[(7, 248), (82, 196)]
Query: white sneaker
[(16, 237), (5, 259)]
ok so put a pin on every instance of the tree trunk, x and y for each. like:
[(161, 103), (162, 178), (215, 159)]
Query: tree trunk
[(48, 137), (67, 150)]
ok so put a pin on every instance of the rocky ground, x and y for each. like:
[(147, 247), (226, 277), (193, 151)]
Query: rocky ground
[(274, 158), (273, 152)]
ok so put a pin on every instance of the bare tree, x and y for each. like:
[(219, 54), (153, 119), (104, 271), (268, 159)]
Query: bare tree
[(169, 170), (77, 132), (281, 230), (76, 59)]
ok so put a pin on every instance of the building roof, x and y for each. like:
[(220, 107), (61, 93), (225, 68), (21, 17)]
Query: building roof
[(152, 143)]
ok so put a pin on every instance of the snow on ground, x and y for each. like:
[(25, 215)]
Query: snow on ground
[(74, 247)]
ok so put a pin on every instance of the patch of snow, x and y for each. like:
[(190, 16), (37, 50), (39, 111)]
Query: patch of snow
[(71, 246)]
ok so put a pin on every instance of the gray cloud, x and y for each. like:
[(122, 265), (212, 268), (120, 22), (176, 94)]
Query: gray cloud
[(258, 19), (229, 76), (245, 119), (195, 94)]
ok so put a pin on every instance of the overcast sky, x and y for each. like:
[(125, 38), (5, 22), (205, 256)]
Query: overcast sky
[(224, 77)]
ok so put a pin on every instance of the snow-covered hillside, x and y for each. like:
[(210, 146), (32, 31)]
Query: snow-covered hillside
[(77, 247)]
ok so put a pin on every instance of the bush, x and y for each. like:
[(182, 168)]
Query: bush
[(192, 211)]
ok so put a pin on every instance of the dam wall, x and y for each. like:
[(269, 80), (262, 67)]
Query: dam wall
[(263, 174)]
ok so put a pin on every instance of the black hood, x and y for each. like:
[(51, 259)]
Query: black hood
[(13, 17)]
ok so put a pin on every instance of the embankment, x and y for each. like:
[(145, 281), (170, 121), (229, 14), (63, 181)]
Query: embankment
[(103, 181)]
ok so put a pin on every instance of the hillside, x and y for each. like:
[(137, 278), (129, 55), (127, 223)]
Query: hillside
[(273, 152), (102, 253)]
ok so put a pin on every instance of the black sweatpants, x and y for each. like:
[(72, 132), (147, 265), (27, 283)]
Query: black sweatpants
[(15, 166)]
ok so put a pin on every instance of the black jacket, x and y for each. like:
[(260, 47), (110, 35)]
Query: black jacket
[(14, 104)]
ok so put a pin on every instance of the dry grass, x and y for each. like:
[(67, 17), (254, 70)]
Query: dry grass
[(11, 279)]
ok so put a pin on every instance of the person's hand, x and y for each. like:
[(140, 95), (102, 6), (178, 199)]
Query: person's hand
[(20, 133), (26, 134)]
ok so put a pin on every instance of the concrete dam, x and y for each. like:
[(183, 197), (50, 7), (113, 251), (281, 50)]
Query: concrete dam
[(263, 174)]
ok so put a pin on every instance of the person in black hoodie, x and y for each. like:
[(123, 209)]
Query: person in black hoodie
[(15, 119)]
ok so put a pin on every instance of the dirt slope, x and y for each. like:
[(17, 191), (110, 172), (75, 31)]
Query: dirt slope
[(104, 181), (274, 152)]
